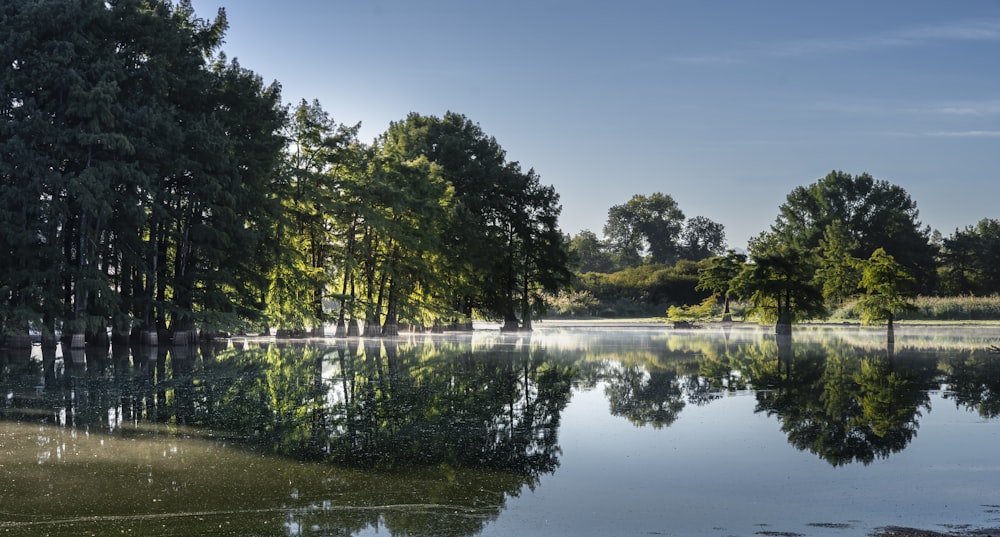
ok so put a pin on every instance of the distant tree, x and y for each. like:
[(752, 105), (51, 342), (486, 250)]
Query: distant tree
[(874, 213), (971, 259), (702, 238), (588, 253), (888, 289), (645, 228)]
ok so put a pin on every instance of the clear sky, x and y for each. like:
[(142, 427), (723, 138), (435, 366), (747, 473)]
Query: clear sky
[(725, 105)]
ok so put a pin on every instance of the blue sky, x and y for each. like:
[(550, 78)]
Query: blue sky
[(726, 105)]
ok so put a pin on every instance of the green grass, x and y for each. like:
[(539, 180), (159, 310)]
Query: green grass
[(938, 309)]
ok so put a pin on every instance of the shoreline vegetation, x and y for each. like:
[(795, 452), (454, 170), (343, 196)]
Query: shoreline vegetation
[(171, 194), (923, 310)]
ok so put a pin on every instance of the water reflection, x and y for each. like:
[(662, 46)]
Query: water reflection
[(496, 404), (447, 430), (843, 403), (426, 435)]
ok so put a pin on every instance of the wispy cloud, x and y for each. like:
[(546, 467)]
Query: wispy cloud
[(969, 109), (964, 134), (973, 30)]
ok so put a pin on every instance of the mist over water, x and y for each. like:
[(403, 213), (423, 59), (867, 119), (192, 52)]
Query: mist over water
[(566, 431)]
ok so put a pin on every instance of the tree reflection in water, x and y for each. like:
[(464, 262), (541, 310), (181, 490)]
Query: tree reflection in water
[(435, 422), (843, 400), (456, 426), (644, 398), (974, 381), (843, 403)]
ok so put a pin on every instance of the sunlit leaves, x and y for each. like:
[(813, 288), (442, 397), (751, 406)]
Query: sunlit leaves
[(888, 288)]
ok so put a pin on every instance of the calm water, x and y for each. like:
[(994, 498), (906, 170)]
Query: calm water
[(568, 431)]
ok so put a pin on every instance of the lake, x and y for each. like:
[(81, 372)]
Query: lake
[(582, 431)]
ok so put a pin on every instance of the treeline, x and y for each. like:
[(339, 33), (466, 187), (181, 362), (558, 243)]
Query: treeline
[(154, 187), (648, 259), (848, 243)]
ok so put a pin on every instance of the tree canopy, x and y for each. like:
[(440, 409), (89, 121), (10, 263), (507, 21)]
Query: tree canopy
[(150, 184), (871, 213), (154, 186), (136, 168)]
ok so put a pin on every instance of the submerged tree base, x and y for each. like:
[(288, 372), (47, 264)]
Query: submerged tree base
[(510, 325)]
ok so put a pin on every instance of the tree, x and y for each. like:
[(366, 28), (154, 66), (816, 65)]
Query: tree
[(588, 253), (645, 227), (971, 259), (780, 286), (702, 238), (410, 206), (500, 241), (838, 272), (539, 254), (229, 208), (718, 277), (888, 289), (873, 213), (312, 190), (138, 161)]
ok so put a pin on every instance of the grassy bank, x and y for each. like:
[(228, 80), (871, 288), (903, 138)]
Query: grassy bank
[(938, 309)]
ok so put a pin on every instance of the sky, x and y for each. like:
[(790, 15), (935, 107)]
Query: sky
[(726, 106)]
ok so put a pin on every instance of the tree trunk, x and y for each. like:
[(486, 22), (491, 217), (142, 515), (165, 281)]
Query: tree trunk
[(390, 327), (352, 329), (525, 306), (510, 323)]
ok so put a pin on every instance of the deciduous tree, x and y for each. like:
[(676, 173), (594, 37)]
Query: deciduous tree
[(873, 213), (645, 227), (702, 238)]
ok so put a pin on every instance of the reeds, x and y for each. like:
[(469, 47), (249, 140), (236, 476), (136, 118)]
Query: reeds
[(933, 308)]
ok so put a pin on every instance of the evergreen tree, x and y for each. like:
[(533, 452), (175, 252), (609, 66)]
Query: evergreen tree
[(138, 167), (888, 289), (718, 277)]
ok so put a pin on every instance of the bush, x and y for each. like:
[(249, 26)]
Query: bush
[(644, 290), (571, 303)]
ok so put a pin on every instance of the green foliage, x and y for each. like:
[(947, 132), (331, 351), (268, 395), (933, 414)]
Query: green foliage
[(704, 311), (839, 272), (970, 259), (139, 163), (571, 303), (644, 290), (719, 274), (645, 225), (888, 288), (870, 214), (702, 238), (149, 181), (501, 247), (779, 286), (587, 253)]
